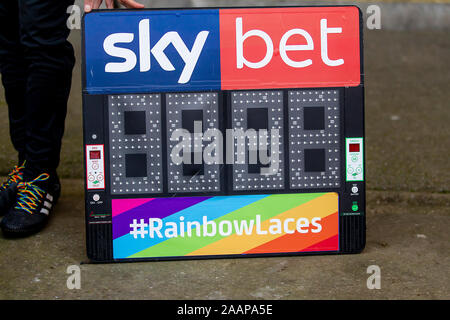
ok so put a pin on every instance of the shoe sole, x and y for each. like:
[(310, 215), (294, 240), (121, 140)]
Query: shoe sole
[(23, 233)]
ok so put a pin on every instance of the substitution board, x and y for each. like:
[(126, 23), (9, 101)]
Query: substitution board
[(233, 132)]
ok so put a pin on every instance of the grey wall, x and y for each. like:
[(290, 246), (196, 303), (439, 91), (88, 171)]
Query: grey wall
[(394, 16)]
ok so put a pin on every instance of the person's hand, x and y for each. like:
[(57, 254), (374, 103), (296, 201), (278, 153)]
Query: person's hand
[(95, 4)]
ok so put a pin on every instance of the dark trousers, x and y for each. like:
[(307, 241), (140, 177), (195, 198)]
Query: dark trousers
[(36, 63)]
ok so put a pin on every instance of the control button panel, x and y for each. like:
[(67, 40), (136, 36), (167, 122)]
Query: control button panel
[(95, 166), (354, 159)]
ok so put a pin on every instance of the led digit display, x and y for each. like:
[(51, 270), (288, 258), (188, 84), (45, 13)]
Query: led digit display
[(135, 143), (94, 155), (182, 111), (314, 136), (313, 144), (354, 147), (251, 112)]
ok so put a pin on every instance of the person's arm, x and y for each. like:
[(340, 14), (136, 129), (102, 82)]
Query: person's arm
[(95, 4)]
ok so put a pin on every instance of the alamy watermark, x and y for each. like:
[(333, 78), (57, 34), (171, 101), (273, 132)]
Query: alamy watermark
[(74, 20), (374, 280), (192, 145), (74, 279)]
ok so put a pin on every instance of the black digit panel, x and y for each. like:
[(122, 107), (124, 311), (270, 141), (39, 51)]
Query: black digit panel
[(257, 110), (314, 136), (135, 143), (182, 110)]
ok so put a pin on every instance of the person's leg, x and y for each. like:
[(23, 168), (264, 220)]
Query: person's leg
[(13, 70), (50, 60)]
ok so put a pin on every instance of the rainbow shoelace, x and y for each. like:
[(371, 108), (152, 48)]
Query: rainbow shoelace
[(29, 194), (15, 176)]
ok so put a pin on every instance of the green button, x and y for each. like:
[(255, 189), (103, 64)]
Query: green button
[(355, 207)]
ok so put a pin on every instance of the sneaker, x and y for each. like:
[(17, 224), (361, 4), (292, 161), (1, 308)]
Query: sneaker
[(34, 203), (8, 189)]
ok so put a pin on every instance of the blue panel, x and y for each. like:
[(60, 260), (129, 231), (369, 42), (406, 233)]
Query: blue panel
[(190, 26)]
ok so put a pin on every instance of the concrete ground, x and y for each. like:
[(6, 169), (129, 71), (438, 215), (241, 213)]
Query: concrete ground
[(408, 205)]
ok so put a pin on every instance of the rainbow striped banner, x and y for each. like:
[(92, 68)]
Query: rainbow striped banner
[(225, 225)]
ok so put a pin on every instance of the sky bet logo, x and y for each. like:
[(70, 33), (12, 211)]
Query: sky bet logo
[(187, 50), (190, 57)]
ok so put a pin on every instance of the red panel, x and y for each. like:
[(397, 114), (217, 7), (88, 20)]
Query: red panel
[(94, 155), (274, 23), (354, 147)]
